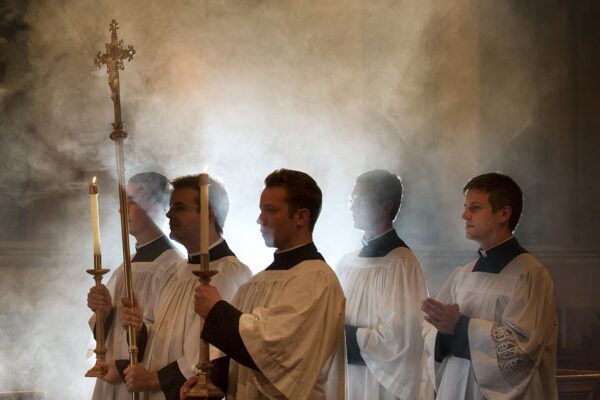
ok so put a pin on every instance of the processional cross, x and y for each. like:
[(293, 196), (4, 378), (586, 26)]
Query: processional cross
[(113, 59)]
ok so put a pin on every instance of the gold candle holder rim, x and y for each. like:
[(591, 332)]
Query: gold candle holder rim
[(97, 271)]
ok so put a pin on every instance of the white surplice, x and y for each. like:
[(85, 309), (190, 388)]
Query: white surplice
[(384, 296), (512, 334), (293, 327), (174, 336), (147, 279)]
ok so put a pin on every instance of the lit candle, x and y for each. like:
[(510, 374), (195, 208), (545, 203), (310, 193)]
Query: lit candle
[(95, 218), (204, 180)]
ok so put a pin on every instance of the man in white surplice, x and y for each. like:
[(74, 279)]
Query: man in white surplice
[(155, 258), (173, 334), (384, 288), (493, 326), (284, 330)]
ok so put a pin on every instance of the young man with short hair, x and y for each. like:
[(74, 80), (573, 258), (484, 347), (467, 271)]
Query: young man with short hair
[(493, 326), (174, 330), (384, 288), (284, 330), (147, 197)]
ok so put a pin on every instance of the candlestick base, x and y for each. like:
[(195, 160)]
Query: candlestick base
[(97, 371), (204, 388)]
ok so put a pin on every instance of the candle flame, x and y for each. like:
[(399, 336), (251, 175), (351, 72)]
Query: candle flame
[(94, 181)]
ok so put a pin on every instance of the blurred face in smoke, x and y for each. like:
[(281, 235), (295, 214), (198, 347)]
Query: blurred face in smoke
[(483, 225), (368, 212), (139, 221), (184, 218), (277, 226)]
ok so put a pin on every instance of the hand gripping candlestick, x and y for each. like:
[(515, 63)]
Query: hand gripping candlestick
[(97, 272), (113, 59), (204, 387)]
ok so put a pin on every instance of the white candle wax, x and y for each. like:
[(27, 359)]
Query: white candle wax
[(95, 216), (204, 181)]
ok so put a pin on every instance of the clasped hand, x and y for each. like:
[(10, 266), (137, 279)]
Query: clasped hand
[(443, 316)]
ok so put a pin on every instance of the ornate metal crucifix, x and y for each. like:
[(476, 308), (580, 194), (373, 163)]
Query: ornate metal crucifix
[(113, 59)]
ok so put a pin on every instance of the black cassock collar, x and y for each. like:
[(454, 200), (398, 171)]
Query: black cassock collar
[(381, 246), (288, 259), (152, 250), (496, 258), (219, 251)]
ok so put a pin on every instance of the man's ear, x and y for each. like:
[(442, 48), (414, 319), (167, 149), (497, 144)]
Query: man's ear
[(387, 206), (302, 217), (505, 213), (212, 218)]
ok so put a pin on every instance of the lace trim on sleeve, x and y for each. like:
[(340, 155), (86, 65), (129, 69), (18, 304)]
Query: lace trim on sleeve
[(513, 362)]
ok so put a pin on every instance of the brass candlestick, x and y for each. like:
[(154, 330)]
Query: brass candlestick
[(97, 371), (204, 388)]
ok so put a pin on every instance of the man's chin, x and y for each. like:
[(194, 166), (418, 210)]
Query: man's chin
[(174, 237), (359, 226), (269, 242)]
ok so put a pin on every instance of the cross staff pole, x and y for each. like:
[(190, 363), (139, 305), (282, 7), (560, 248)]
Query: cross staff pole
[(113, 59)]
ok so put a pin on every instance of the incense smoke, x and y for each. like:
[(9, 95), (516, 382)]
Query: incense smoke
[(328, 87)]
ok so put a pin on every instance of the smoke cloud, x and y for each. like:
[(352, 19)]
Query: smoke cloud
[(332, 88)]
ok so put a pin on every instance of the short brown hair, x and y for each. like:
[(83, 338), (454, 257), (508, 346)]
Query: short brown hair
[(218, 200), (301, 191), (155, 190), (502, 191), (385, 185)]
